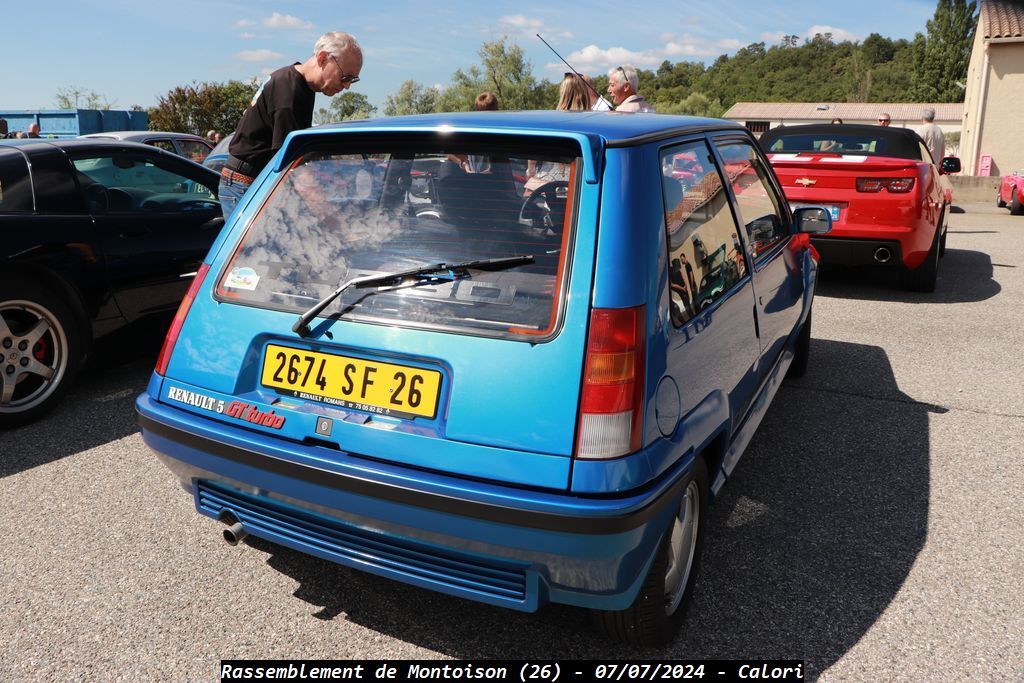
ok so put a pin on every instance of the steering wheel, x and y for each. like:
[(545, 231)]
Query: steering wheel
[(537, 209)]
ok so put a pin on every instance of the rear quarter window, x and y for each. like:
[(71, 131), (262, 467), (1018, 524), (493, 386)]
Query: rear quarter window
[(15, 187), (345, 212)]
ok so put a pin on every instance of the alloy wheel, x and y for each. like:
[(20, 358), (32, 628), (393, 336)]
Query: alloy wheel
[(33, 355), (682, 547)]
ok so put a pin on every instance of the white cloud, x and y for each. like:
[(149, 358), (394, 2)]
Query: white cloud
[(278, 20), (522, 25), (248, 36), (593, 58), (770, 38), (244, 23), (258, 55), (838, 34)]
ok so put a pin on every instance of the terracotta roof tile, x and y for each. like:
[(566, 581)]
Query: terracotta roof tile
[(1002, 19), (853, 111)]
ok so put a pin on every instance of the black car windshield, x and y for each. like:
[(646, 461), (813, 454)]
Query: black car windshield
[(843, 139), (339, 213)]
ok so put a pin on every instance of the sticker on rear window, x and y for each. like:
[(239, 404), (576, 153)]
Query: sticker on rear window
[(242, 278)]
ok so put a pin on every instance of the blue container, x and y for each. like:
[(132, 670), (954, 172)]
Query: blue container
[(70, 123)]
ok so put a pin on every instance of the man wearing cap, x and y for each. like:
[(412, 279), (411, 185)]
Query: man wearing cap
[(932, 135)]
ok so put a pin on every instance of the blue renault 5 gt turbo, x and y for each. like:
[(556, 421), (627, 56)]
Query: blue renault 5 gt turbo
[(504, 356)]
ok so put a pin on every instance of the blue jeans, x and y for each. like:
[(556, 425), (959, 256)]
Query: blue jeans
[(230, 192)]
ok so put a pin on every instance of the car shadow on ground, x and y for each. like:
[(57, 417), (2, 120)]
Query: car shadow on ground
[(98, 409), (807, 545), (964, 277)]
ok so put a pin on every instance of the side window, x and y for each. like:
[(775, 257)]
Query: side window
[(193, 150), (165, 145), (123, 183), (15, 188), (704, 253), (759, 207)]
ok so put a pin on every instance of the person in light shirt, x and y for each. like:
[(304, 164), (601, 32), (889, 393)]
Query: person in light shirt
[(623, 84)]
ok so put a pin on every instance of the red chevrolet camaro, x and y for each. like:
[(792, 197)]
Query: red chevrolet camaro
[(889, 202), (1011, 193)]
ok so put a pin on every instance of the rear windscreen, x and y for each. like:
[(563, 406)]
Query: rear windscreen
[(343, 212), (876, 141)]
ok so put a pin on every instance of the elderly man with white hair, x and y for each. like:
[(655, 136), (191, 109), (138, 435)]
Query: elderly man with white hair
[(285, 103), (932, 135), (623, 84)]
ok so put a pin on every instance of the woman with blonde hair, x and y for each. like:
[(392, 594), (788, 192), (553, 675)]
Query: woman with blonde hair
[(573, 94)]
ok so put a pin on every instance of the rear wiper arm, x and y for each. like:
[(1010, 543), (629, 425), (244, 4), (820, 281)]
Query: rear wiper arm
[(432, 272)]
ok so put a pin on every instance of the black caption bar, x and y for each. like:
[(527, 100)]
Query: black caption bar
[(524, 671)]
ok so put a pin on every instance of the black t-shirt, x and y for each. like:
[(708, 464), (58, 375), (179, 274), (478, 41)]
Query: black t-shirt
[(283, 104)]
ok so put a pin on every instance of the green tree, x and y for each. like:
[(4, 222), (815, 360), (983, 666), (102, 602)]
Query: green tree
[(200, 107), (942, 56), (74, 97), (345, 107), (503, 71), (695, 104), (411, 98)]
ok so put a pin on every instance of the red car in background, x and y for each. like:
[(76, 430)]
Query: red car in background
[(1011, 193), (888, 200)]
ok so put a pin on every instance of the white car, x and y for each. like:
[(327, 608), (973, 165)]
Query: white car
[(186, 145)]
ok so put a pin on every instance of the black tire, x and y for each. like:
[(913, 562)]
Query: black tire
[(999, 200), (37, 364), (656, 615), (1016, 208), (802, 352), (924, 277)]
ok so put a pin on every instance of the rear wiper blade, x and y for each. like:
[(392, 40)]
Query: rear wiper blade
[(433, 272)]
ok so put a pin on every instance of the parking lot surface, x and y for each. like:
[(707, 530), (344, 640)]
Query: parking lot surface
[(873, 528)]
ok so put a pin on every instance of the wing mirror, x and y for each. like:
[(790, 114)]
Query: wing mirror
[(813, 220), (950, 165)]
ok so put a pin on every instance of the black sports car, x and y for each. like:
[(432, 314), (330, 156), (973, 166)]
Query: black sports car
[(95, 235)]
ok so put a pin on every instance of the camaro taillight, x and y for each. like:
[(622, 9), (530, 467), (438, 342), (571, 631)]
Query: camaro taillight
[(179, 318), (611, 405), (898, 185)]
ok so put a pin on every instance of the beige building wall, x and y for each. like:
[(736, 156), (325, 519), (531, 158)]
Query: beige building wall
[(994, 107)]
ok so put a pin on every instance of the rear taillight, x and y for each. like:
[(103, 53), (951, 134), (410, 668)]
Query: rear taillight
[(611, 406), (179, 318), (898, 185)]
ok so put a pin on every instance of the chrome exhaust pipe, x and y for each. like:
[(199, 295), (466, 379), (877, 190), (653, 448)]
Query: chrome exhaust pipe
[(883, 254), (234, 534)]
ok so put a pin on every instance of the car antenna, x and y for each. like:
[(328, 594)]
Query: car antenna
[(571, 68)]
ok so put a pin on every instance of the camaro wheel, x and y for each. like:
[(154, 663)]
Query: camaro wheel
[(39, 351), (655, 616), (1016, 208), (999, 200), (924, 277)]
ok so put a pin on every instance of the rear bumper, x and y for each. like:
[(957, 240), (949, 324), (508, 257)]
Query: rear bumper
[(500, 545), (857, 251)]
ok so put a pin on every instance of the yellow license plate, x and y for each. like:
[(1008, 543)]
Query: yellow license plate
[(381, 388)]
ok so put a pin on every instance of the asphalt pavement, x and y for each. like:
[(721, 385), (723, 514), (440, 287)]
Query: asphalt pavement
[(873, 528)]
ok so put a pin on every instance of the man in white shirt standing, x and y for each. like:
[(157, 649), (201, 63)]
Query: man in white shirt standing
[(932, 135), (623, 83)]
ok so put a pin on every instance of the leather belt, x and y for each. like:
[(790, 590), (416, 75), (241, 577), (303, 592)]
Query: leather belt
[(235, 176)]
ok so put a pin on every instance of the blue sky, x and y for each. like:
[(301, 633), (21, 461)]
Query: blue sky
[(133, 52)]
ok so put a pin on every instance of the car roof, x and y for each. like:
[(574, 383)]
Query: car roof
[(142, 135), (616, 128), (86, 145)]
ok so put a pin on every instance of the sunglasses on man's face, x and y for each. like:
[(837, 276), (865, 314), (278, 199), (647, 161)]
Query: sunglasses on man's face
[(345, 78)]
